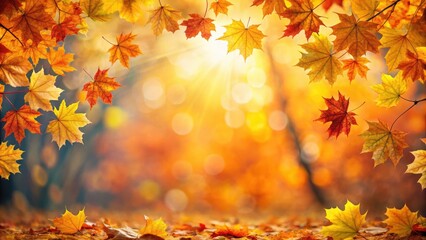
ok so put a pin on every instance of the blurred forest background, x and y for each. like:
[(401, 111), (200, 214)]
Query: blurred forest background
[(195, 129)]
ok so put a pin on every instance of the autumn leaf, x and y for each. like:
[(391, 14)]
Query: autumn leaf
[(94, 10), (70, 223), (164, 17), (13, 70), (220, 6), (124, 49), (65, 28), (66, 125), (1, 95), (344, 223), (358, 36), (41, 91), (328, 3), (414, 66), (364, 9), (270, 5), (197, 24), (302, 17), (38, 51), (235, 231), (16, 121), (390, 90), (401, 220), (7, 6), (129, 10), (60, 61), (242, 38), (8, 157), (337, 113), (154, 227), (3, 49), (100, 87), (418, 166), (385, 143), (320, 60), (355, 66)]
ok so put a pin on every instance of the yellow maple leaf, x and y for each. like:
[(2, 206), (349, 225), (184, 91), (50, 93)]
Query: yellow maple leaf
[(364, 9), (164, 17), (70, 223), (385, 143), (220, 6), (344, 223), (8, 157), (418, 166), (95, 10), (129, 10), (13, 70), (390, 90), (42, 90), (320, 60), (59, 60), (66, 125), (401, 220), (154, 227), (124, 49), (242, 38)]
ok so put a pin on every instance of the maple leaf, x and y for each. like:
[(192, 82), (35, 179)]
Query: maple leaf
[(66, 125), (7, 7), (302, 17), (41, 91), (67, 27), (100, 87), (19, 120), (154, 227), (1, 95), (70, 223), (337, 113), (385, 143), (3, 49), (418, 166), (198, 24), (124, 49), (13, 70), (59, 60), (31, 20), (328, 3), (320, 60), (37, 51), (270, 5), (164, 17), (390, 90), (355, 66), (344, 223), (235, 231), (364, 9), (8, 157), (401, 220), (358, 36), (414, 66), (220, 6), (94, 10), (129, 10), (243, 38)]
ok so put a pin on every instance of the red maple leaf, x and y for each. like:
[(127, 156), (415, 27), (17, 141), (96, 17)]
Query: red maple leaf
[(197, 24)]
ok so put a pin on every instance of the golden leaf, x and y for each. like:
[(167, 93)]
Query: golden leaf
[(157, 228), (41, 91), (164, 17), (390, 90), (8, 157), (70, 223), (401, 220), (59, 60)]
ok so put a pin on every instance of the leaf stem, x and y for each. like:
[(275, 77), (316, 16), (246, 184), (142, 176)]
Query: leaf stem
[(248, 22), (13, 92), (108, 41), (357, 107), (88, 74), (159, 1), (8, 30), (319, 5), (384, 9), (11, 104), (207, 8), (406, 110)]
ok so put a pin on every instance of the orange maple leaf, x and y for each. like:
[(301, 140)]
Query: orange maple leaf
[(1, 95), (358, 36), (414, 66), (198, 24), (270, 5), (70, 223), (220, 6), (328, 3), (59, 60), (65, 28), (124, 49), (19, 120), (13, 70), (355, 66), (37, 51), (164, 17), (236, 231), (337, 113), (302, 17), (100, 87)]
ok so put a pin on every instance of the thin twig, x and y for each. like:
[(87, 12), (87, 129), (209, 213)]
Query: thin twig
[(384, 9), (207, 8), (8, 30)]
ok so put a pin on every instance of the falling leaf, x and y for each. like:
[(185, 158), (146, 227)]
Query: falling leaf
[(302, 17), (355, 66), (16, 121), (414, 66), (385, 143), (364, 9), (337, 113), (13, 70), (164, 17), (60, 61), (418, 166), (270, 5), (70, 223), (328, 3), (344, 223), (124, 49), (358, 36), (65, 28), (41, 91), (220, 6), (94, 10), (390, 90), (243, 38), (100, 87), (401, 220), (197, 24), (66, 125), (154, 227), (235, 231), (320, 60), (8, 157)]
